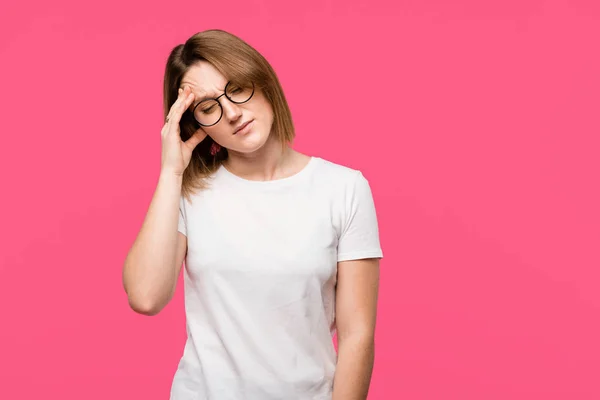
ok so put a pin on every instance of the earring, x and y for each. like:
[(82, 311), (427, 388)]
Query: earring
[(214, 148)]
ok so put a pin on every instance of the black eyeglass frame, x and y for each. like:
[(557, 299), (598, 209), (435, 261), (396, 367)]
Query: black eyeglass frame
[(219, 103)]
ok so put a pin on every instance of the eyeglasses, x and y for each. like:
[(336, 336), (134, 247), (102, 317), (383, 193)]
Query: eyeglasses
[(209, 111)]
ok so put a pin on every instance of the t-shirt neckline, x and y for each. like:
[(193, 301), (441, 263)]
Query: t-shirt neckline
[(271, 183)]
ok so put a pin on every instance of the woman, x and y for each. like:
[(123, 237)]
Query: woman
[(281, 249)]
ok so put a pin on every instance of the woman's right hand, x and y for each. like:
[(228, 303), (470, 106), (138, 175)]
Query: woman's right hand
[(176, 154)]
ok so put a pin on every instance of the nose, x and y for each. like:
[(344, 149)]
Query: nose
[(231, 110)]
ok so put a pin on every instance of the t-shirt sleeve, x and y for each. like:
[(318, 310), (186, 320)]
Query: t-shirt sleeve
[(359, 237), (182, 227)]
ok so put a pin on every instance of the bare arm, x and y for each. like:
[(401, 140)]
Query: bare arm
[(356, 304), (154, 261)]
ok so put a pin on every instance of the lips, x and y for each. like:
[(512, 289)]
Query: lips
[(241, 127)]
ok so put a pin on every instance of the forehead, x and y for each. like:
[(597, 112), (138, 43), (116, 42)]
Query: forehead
[(203, 78)]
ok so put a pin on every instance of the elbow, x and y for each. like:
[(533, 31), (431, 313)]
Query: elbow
[(143, 299), (143, 304), (147, 309), (144, 307)]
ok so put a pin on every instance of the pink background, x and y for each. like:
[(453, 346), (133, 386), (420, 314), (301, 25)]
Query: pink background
[(476, 122)]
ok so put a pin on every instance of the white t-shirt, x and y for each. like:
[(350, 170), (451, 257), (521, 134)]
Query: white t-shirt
[(260, 276)]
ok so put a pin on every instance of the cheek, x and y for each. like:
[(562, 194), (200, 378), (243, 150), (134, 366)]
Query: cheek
[(266, 113), (218, 135), (266, 121)]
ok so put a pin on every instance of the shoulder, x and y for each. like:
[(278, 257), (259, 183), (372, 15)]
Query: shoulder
[(337, 174), (341, 181)]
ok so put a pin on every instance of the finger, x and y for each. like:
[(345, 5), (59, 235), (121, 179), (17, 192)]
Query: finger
[(195, 139), (180, 95), (179, 107)]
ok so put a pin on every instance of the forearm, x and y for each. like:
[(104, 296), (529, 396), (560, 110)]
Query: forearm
[(149, 272), (354, 368)]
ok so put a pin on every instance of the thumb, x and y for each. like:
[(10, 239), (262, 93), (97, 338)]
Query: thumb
[(195, 139)]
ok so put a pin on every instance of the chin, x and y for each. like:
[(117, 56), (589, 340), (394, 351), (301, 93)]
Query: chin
[(249, 144)]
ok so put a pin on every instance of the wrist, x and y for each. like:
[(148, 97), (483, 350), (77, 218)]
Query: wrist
[(170, 176)]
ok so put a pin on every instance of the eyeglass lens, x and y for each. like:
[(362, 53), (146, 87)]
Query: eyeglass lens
[(209, 111)]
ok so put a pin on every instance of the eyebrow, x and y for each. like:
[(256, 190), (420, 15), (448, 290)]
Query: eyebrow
[(199, 100), (206, 96)]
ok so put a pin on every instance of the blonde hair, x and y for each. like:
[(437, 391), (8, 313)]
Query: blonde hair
[(237, 61)]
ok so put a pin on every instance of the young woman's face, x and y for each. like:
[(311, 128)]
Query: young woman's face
[(206, 82)]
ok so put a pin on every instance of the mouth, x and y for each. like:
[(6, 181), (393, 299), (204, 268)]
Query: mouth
[(245, 124)]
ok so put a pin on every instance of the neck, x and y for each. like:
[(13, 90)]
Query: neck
[(268, 163)]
